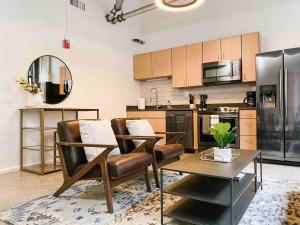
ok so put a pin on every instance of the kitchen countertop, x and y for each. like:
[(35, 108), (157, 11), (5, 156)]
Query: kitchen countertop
[(187, 107), (161, 108)]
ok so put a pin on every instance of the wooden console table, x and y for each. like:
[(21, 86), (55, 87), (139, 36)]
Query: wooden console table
[(43, 167)]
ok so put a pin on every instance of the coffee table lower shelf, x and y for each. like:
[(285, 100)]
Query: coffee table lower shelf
[(198, 212)]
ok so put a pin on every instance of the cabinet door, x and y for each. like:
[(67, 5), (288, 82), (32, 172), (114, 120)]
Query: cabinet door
[(248, 127), (142, 66), (162, 63), (194, 65), (248, 142), (159, 125), (211, 51), (179, 67), (231, 48), (250, 47)]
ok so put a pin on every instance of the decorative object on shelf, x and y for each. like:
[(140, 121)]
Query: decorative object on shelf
[(34, 92), (31, 88), (52, 76), (178, 5), (223, 135)]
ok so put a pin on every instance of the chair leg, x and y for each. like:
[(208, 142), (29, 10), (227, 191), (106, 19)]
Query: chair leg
[(154, 167), (155, 173), (147, 180), (107, 188), (64, 187)]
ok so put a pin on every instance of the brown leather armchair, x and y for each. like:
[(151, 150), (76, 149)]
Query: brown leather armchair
[(112, 170), (162, 154)]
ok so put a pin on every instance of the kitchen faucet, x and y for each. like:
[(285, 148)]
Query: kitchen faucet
[(155, 92)]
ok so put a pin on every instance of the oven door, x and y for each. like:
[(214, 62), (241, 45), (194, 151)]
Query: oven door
[(205, 139)]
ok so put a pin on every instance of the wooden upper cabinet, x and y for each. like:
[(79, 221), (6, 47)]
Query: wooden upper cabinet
[(162, 63), (211, 51), (250, 47), (142, 66), (231, 48), (179, 67), (194, 65)]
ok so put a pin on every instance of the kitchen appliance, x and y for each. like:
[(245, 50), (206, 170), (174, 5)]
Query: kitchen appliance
[(222, 72), (203, 99), (181, 121), (208, 118), (278, 105), (250, 99)]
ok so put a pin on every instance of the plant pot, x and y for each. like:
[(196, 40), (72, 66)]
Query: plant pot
[(223, 154), (35, 100)]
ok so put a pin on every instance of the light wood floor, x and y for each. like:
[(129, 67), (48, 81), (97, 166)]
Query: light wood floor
[(17, 187)]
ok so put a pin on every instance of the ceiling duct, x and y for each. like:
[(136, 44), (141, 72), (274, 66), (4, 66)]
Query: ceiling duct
[(113, 18), (117, 7)]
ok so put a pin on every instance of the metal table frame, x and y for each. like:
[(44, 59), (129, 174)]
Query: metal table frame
[(255, 160)]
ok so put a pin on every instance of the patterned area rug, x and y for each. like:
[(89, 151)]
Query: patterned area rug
[(278, 203)]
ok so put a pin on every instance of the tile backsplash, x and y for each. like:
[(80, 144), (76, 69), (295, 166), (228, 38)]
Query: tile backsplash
[(234, 93)]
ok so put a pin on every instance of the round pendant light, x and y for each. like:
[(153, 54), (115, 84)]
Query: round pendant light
[(178, 5)]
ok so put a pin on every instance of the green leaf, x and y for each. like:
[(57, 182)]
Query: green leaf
[(222, 134)]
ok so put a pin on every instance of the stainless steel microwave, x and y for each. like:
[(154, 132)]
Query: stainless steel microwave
[(222, 72)]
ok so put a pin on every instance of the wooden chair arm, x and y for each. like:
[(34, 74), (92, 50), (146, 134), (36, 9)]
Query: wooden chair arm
[(130, 137), (79, 144), (171, 133)]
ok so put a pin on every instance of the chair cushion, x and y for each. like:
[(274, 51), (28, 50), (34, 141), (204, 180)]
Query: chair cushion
[(97, 132), (168, 151), (121, 165), (140, 128)]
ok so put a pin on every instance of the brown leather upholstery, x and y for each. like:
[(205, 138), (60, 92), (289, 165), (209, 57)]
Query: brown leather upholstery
[(165, 152), (112, 170), (121, 165), (162, 152), (69, 131), (119, 127)]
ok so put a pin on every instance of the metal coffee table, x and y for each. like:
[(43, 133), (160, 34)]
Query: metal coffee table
[(210, 195)]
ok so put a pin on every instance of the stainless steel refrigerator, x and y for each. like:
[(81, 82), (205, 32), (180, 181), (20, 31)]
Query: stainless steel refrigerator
[(278, 105)]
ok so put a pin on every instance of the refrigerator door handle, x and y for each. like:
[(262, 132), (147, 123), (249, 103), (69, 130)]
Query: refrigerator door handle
[(280, 92), (286, 92)]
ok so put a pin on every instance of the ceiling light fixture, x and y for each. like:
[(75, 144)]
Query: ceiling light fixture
[(178, 5)]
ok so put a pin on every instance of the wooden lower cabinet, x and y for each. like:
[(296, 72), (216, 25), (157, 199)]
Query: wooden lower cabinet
[(248, 142), (248, 138), (157, 119)]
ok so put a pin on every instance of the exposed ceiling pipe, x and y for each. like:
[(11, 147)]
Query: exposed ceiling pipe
[(123, 16), (117, 7)]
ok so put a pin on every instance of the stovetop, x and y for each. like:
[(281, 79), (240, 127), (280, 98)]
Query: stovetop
[(219, 110)]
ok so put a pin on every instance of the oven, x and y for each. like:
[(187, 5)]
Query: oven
[(222, 72), (209, 119)]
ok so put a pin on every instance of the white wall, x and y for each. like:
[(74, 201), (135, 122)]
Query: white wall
[(100, 60)]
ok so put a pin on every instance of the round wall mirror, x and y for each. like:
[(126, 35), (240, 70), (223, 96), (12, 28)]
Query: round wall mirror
[(53, 77)]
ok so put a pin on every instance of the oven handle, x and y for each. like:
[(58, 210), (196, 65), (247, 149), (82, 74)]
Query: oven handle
[(220, 116)]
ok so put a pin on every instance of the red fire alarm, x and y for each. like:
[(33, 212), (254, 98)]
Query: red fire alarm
[(66, 44)]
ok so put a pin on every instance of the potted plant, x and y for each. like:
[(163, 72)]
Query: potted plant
[(223, 135), (34, 91)]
